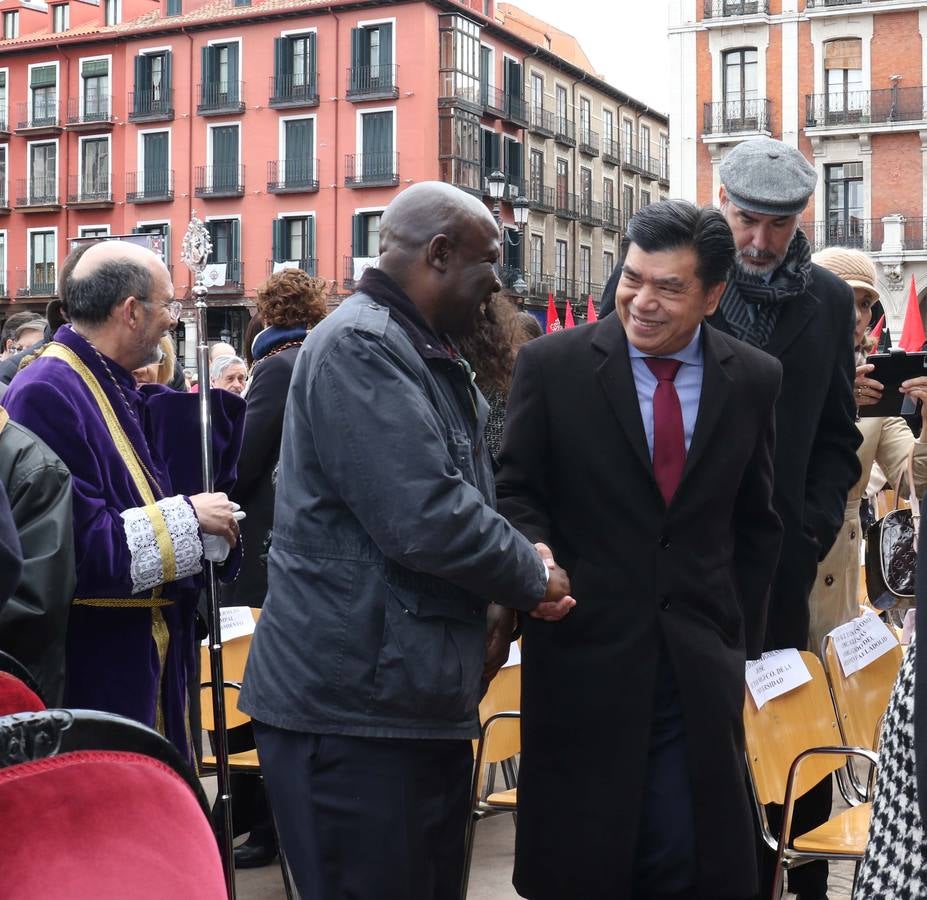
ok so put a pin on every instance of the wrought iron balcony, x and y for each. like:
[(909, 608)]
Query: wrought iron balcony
[(219, 181), (4, 121), (736, 116), (371, 169), (512, 187), (502, 105), (292, 176), (92, 192), (611, 220), (541, 121), (566, 206), (860, 234), (540, 198), (650, 166), (565, 131), (915, 233), (4, 200), (509, 275), (150, 186), (4, 284), (37, 194), (716, 9), (94, 112), (354, 266), (610, 152), (39, 117), (373, 82), (152, 105), (220, 97), (887, 106), (293, 90), (818, 4), (308, 265), (632, 160), (663, 174), (40, 282), (588, 142), (590, 211), (234, 278)]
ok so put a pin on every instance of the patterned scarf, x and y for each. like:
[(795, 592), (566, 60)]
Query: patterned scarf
[(751, 307)]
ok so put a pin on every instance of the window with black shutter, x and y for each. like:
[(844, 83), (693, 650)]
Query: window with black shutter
[(153, 96), (372, 71), (299, 153), (226, 246), (295, 70), (156, 177), (294, 242), (43, 87)]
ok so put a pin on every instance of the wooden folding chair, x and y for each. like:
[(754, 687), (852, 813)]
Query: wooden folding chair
[(243, 755), (498, 744), (861, 700), (792, 743)]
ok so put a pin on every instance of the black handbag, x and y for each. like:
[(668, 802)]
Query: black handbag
[(891, 550)]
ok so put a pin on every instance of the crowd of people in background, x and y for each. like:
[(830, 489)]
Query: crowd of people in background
[(648, 501)]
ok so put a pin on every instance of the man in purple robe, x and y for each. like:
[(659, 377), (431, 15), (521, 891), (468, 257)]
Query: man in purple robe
[(139, 511)]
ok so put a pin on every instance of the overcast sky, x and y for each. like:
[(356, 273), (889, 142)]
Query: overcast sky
[(625, 39)]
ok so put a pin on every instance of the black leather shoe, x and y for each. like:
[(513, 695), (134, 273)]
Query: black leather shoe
[(253, 856)]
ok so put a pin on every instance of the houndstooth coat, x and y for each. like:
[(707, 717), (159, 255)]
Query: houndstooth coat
[(895, 864)]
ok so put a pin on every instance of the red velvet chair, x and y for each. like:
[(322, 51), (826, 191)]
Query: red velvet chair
[(16, 696), (96, 807), (11, 666)]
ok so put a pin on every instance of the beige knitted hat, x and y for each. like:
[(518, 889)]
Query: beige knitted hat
[(853, 266)]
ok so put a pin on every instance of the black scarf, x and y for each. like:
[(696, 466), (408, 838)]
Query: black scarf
[(751, 307)]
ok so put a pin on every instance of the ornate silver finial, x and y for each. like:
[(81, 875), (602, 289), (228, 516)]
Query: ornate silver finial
[(194, 251)]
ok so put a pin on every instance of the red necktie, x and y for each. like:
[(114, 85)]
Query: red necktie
[(669, 437)]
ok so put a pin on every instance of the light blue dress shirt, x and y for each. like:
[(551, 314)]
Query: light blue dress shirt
[(688, 385)]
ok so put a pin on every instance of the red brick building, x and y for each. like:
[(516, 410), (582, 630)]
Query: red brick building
[(287, 126), (842, 80)]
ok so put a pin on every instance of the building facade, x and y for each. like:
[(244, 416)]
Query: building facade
[(842, 80), (288, 127)]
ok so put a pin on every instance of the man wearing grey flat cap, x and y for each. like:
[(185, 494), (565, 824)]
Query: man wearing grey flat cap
[(779, 301)]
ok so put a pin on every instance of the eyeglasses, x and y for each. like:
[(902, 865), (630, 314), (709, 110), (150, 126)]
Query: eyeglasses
[(174, 308)]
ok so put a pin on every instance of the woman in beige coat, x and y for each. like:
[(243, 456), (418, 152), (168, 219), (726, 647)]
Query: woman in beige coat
[(886, 441)]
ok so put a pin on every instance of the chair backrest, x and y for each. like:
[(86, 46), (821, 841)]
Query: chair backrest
[(13, 666), (16, 696), (503, 739), (862, 698), (100, 823), (234, 656), (784, 728)]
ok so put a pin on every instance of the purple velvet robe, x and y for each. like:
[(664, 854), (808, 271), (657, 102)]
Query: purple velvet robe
[(113, 662)]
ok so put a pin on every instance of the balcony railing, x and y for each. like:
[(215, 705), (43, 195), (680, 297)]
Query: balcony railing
[(308, 265), (4, 200), (234, 278), (149, 186), (716, 9), (611, 218), (736, 116), (95, 110), (294, 90), (650, 166), (96, 190), (565, 131), (632, 160), (588, 142), (36, 116), (663, 174), (4, 284), (372, 82), (915, 233), (611, 152), (503, 105), (818, 4), (4, 120), (153, 105), (882, 107), (220, 97), (512, 187), (292, 176), (540, 197), (590, 211), (37, 192), (219, 181), (566, 206), (354, 267), (859, 234), (508, 275), (371, 169), (38, 283), (541, 121)]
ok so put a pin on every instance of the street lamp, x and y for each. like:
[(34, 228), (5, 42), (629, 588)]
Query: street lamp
[(520, 207)]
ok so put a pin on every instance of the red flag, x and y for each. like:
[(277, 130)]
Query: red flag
[(591, 315), (912, 332), (568, 320), (553, 320), (876, 332)]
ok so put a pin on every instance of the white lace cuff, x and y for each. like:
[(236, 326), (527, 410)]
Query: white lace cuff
[(164, 543)]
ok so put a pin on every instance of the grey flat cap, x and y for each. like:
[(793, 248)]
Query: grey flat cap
[(768, 177)]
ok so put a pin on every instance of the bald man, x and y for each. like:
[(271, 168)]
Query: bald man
[(139, 510), (387, 561)]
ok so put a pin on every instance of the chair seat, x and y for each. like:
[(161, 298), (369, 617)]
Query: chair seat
[(247, 759), (507, 798), (844, 833)]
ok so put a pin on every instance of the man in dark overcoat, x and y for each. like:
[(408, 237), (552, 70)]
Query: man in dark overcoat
[(631, 782)]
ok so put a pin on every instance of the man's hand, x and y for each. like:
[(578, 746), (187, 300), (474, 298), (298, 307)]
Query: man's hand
[(500, 623), (916, 389), (216, 515), (557, 602), (867, 391)]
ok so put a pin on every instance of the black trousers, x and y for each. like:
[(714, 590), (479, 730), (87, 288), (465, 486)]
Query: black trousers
[(363, 817)]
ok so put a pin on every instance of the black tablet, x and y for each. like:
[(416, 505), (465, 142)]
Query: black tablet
[(892, 369)]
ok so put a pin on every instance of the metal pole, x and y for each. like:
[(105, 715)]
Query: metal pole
[(196, 248)]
